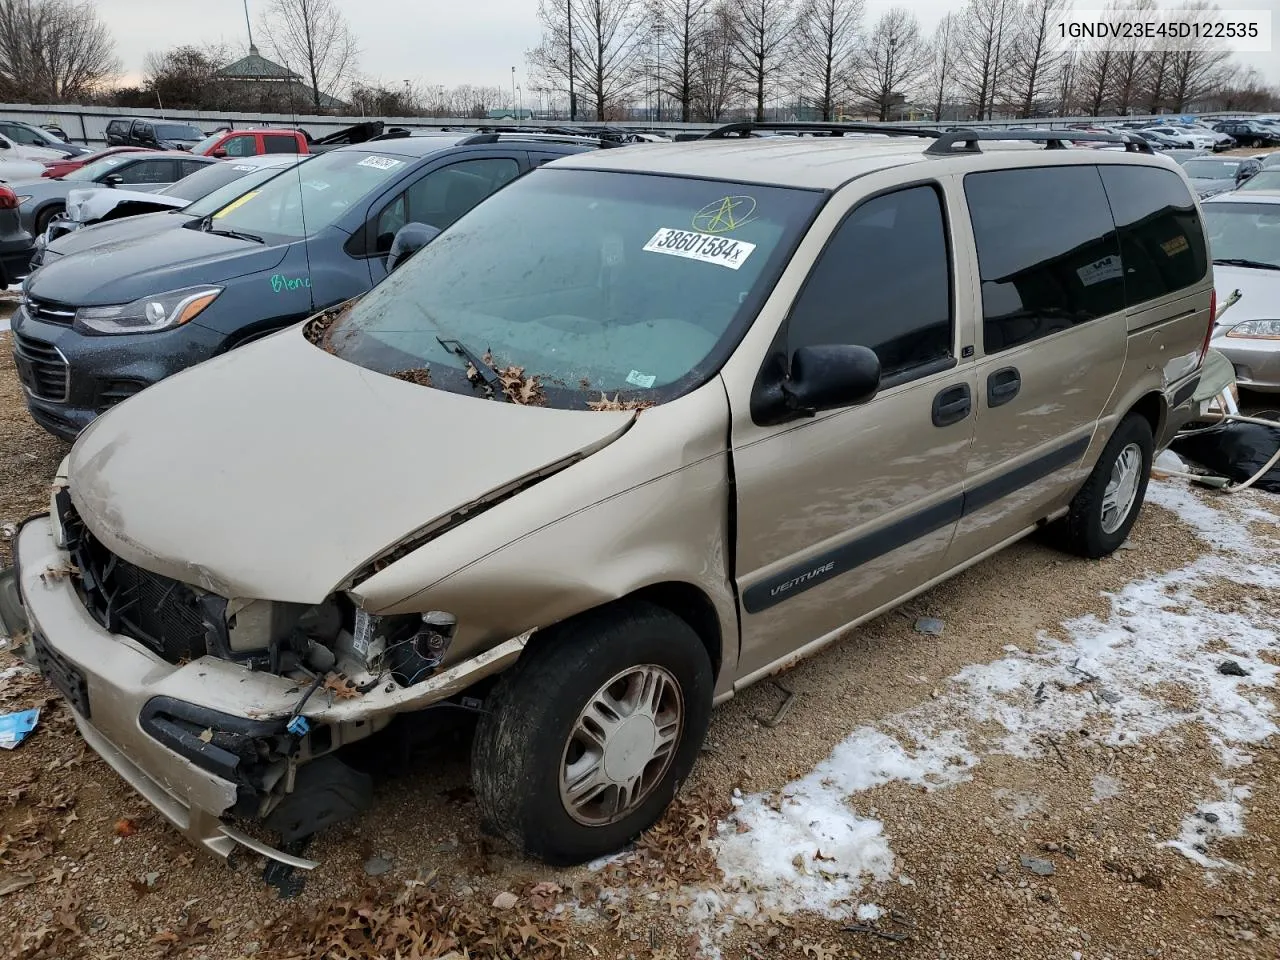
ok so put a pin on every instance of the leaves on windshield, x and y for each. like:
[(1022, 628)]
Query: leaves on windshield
[(317, 331), (519, 388), (616, 403), (419, 375)]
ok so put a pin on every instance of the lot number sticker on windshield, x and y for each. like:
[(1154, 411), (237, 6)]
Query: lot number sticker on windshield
[(380, 163), (705, 247)]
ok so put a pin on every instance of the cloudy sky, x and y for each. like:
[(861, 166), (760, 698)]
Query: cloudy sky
[(442, 41)]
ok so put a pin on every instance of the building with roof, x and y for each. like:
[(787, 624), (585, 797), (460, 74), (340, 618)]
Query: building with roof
[(257, 78)]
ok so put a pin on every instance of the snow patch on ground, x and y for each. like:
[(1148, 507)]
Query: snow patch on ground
[(1212, 821), (1106, 788), (809, 848)]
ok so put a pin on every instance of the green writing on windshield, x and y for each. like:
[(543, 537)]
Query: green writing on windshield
[(280, 283)]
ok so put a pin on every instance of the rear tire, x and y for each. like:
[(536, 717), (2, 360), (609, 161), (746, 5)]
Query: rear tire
[(589, 736), (1107, 506)]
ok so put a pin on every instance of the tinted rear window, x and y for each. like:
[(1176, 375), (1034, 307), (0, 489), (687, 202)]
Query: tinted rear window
[(1047, 252), (1161, 240)]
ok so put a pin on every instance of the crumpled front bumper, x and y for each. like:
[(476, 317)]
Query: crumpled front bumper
[(113, 683)]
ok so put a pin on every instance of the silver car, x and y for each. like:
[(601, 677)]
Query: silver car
[(1244, 240)]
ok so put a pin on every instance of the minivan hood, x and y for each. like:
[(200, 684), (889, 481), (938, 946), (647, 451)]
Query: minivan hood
[(126, 268), (277, 470), (115, 231)]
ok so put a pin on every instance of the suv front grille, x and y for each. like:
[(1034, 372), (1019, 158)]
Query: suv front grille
[(158, 612), (49, 311), (42, 368)]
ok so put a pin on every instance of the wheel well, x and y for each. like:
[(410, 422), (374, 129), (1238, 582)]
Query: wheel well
[(1151, 408), (693, 607)]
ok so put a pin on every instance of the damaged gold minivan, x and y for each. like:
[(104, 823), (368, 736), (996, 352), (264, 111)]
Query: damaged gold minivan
[(645, 426)]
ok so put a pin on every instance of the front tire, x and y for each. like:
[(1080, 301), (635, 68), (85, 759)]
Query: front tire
[(589, 736), (44, 217), (1107, 506)]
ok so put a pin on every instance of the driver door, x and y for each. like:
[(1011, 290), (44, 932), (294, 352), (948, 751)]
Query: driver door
[(842, 513), (438, 198)]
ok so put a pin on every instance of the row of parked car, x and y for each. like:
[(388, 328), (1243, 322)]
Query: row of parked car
[(578, 440)]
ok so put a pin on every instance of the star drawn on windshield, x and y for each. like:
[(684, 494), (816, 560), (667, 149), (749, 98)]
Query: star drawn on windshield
[(722, 216)]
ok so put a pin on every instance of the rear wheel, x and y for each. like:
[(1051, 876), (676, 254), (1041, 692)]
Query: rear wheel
[(1107, 506), (588, 738)]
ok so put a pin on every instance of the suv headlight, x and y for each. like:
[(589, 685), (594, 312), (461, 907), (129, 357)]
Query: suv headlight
[(161, 312), (1258, 329)]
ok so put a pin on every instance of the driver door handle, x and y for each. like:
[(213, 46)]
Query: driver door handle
[(952, 405)]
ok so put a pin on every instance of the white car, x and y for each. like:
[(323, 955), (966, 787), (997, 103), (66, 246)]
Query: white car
[(1200, 139), (15, 171), (12, 150)]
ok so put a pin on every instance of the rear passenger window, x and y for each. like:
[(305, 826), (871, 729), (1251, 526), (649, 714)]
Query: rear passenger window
[(884, 282), (1161, 241), (279, 144), (1047, 252)]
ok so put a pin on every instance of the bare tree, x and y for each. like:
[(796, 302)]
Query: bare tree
[(1034, 61), (1157, 67), (983, 44), (185, 77), (1200, 67), (1068, 74), (1097, 77), (717, 76), (685, 24), (53, 51), (1245, 89), (824, 39), (760, 42), (604, 40), (940, 80), (1127, 66), (890, 60), (313, 37)]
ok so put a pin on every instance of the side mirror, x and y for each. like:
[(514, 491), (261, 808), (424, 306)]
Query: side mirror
[(409, 239), (4, 145), (822, 377), (220, 153), (114, 180)]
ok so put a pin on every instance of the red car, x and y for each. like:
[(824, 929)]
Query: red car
[(250, 143), (60, 168)]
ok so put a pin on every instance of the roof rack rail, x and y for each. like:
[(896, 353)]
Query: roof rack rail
[(744, 128), (496, 136), (1053, 139)]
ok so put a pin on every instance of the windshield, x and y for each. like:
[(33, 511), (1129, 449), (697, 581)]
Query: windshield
[(1211, 169), (594, 283), (320, 192), (215, 175), (1244, 231), (97, 169), (177, 131), (221, 197), (1263, 180), (203, 146)]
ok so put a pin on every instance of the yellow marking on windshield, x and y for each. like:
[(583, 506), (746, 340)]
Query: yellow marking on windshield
[(238, 202), (722, 216)]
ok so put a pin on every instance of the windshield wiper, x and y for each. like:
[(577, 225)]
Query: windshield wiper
[(484, 371), (206, 226), (1240, 262)]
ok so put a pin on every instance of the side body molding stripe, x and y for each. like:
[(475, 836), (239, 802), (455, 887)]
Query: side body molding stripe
[(847, 557)]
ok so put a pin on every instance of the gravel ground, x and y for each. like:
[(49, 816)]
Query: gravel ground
[(977, 794)]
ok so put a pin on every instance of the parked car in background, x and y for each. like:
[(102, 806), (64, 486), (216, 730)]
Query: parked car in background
[(251, 143), (57, 131), (641, 429), (12, 150), (15, 242), (1200, 139), (155, 134), (29, 136), (1210, 175), (42, 200), (1249, 133), (60, 168), (1269, 161), (14, 171), (104, 204), (1244, 239), (1266, 180), (306, 239), (1167, 139)]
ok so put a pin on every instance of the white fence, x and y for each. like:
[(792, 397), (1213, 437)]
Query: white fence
[(89, 124)]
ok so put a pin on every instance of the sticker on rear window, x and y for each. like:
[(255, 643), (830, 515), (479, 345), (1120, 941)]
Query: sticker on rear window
[(379, 163), (704, 247), (1108, 268), (725, 214)]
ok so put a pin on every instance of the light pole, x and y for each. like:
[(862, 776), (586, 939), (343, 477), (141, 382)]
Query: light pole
[(519, 102), (513, 88)]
